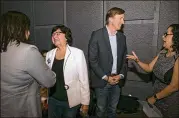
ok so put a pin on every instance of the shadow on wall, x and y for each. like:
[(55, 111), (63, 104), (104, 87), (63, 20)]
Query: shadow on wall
[(146, 77)]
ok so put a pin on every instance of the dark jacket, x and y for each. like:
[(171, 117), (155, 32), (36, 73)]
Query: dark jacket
[(101, 59)]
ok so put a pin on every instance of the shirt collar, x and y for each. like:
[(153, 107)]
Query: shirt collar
[(109, 33)]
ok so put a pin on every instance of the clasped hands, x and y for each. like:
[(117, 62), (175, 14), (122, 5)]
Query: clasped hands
[(113, 79)]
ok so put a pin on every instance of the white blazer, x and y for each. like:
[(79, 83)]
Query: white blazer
[(75, 75)]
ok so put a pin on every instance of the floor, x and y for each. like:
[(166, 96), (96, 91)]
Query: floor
[(139, 114)]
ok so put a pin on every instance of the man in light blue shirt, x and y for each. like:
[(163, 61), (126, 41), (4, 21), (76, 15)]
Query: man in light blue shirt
[(113, 43), (107, 62)]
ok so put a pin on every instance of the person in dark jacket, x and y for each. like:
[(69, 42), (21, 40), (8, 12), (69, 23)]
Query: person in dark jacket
[(107, 62)]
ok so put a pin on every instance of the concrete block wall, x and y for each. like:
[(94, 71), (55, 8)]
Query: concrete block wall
[(145, 23)]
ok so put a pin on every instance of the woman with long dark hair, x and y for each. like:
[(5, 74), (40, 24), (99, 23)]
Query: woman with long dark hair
[(165, 69), (23, 69)]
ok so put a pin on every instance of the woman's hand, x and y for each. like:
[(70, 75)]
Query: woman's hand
[(84, 109), (44, 103), (133, 57), (151, 100)]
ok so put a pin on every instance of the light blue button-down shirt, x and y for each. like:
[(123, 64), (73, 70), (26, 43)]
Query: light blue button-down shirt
[(113, 43)]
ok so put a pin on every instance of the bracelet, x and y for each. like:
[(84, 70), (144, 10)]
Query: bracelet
[(156, 97)]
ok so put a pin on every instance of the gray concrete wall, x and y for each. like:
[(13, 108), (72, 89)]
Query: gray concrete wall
[(145, 22)]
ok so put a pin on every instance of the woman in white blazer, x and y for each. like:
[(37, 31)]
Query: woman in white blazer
[(72, 87)]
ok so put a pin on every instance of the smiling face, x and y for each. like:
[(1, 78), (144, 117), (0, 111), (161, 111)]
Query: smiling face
[(167, 38), (58, 38), (116, 21)]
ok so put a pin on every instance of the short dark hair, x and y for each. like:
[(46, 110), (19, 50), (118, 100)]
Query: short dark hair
[(14, 26), (112, 12), (43, 52), (66, 31), (175, 39)]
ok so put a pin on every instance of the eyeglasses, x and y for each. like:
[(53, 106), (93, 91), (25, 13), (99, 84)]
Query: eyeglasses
[(165, 34), (56, 33)]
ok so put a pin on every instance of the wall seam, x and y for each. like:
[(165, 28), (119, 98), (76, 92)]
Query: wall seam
[(2, 6), (104, 11), (64, 13), (156, 27), (33, 25)]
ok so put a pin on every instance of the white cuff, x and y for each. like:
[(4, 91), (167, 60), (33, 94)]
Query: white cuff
[(121, 76), (104, 76)]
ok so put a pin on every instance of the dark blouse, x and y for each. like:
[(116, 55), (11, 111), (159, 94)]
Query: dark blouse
[(58, 91)]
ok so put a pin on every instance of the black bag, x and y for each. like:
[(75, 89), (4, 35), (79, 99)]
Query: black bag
[(128, 104)]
